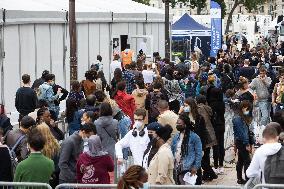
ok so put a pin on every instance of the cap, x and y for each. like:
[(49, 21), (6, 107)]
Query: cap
[(153, 126)]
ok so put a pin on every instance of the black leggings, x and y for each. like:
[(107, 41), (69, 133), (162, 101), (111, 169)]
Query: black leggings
[(243, 159), (219, 151)]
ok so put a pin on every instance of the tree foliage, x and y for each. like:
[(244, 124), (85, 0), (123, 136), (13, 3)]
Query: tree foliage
[(199, 4), (250, 5), (146, 2), (223, 7)]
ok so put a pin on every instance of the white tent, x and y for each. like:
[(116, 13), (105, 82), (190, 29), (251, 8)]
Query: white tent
[(34, 36)]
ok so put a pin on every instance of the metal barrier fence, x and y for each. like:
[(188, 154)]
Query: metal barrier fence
[(27, 185), (111, 186), (268, 186), (193, 187), (65, 186), (24, 185), (252, 182)]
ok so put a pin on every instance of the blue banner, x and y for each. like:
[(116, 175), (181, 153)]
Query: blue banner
[(216, 28)]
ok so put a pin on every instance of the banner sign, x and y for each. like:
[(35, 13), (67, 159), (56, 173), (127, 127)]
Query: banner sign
[(216, 28)]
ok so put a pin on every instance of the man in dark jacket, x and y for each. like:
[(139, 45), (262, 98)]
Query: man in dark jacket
[(26, 98), (40, 81), (13, 136), (71, 148), (64, 95)]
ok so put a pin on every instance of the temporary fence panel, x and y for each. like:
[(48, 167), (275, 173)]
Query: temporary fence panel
[(71, 186), (24, 185), (110, 186), (193, 187), (82, 50), (252, 182), (268, 186)]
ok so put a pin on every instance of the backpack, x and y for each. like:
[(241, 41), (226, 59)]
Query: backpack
[(13, 156), (274, 166), (154, 99)]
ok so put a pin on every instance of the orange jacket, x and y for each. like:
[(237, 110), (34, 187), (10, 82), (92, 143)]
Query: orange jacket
[(126, 57)]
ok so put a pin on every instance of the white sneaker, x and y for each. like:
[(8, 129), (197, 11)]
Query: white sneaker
[(221, 170), (217, 172)]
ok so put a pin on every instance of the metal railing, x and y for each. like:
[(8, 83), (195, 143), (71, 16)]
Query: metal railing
[(29, 185), (252, 182), (24, 185), (64, 186), (71, 186), (268, 186)]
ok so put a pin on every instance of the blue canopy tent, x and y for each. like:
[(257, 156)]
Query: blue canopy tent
[(188, 34)]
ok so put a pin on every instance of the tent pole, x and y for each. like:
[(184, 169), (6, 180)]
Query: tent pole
[(73, 42), (167, 29)]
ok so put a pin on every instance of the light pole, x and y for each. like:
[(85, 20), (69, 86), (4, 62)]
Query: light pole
[(167, 29), (73, 42)]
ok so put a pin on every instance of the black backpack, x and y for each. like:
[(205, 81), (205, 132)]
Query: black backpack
[(273, 168), (13, 156), (154, 99)]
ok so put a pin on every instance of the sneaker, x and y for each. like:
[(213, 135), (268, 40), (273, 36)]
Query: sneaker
[(216, 170), (221, 170)]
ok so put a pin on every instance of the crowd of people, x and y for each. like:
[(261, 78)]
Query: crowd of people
[(166, 115)]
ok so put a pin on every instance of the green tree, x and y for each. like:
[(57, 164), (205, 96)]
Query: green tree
[(250, 5), (146, 2), (198, 4)]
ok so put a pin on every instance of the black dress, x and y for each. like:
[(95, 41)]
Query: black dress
[(5, 165)]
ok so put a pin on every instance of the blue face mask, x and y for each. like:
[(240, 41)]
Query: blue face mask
[(186, 109), (146, 185)]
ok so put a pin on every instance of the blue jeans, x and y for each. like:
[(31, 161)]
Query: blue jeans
[(264, 107), (124, 126)]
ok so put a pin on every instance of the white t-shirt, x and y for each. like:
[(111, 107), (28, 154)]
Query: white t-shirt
[(148, 76), (114, 64)]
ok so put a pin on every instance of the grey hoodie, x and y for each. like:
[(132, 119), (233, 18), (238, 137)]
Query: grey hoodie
[(258, 161), (107, 129)]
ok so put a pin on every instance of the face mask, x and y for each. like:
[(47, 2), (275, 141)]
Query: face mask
[(180, 128), (246, 113), (186, 109), (150, 136), (83, 123), (145, 185), (138, 124), (52, 83)]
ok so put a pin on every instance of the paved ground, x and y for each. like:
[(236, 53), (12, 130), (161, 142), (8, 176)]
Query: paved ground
[(229, 178)]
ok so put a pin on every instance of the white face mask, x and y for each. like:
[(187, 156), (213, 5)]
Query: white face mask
[(138, 125), (83, 123)]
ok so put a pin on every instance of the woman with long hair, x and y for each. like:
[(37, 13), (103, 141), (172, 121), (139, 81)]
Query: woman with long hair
[(134, 177), (50, 150), (72, 115), (88, 85), (243, 92), (115, 80), (162, 164), (187, 149), (243, 138)]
